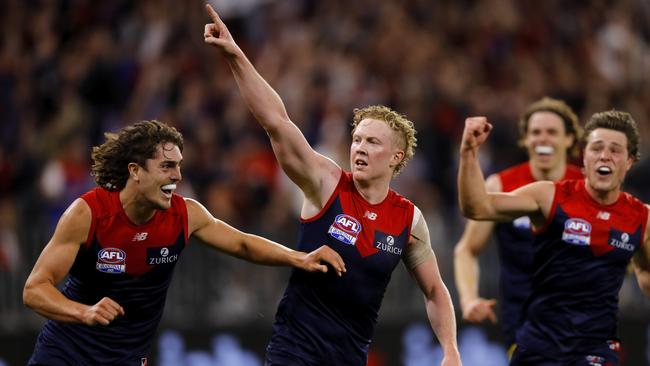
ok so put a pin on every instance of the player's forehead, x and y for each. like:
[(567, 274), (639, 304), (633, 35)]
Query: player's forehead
[(168, 151), (607, 136), (370, 127), (545, 120)]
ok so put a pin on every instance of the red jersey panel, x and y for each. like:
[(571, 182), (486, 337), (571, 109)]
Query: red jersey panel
[(129, 248)]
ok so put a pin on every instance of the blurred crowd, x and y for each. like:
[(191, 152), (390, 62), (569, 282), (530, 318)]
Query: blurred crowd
[(73, 69)]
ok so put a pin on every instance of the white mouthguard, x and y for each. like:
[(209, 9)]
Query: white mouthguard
[(544, 150)]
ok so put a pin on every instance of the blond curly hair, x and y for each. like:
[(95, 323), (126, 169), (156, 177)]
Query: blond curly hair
[(397, 122)]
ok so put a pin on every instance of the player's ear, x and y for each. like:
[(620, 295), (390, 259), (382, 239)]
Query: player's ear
[(133, 171), (397, 157)]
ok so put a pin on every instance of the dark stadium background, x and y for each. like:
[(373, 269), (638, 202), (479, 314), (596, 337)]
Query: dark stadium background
[(71, 69)]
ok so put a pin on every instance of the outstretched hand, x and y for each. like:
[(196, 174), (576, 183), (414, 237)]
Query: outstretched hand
[(217, 33), (477, 129), (316, 261), (479, 310)]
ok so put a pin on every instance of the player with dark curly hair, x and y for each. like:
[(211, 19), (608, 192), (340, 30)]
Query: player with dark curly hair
[(119, 243)]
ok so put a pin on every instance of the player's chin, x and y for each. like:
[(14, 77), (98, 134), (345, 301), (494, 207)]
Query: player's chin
[(164, 204), (359, 174), (545, 158)]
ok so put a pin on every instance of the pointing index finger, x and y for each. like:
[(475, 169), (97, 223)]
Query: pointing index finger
[(213, 14)]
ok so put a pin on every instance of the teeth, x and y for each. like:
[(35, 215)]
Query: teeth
[(168, 187), (604, 170), (544, 150)]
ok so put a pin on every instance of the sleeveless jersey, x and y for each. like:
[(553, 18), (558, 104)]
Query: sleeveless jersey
[(131, 264), (581, 258), (514, 241), (324, 319)]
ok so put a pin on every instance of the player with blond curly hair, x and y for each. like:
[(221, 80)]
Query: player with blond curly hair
[(330, 320)]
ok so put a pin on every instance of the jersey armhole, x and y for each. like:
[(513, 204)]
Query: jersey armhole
[(413, 216), (551, 212), (93, 220), (644, 224), (182, 207), (329, 201)]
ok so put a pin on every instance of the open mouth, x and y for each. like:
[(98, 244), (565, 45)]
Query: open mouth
[(604, 170), (167, 189), (544, 150), (360, 162)]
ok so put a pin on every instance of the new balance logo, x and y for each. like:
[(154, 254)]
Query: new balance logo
[(603, 215), (370, 215), (140, 236)]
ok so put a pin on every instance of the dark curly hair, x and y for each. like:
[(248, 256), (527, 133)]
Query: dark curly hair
[(617, 121), (131, 144)]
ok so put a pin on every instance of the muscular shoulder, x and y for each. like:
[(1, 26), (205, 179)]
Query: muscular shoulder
[(74, 224), (197, 215)]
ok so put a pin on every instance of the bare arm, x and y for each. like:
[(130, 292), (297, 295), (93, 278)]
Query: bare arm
[(475, 238), (253, 248), (439, 307), (315, 174), (642, 262), (476, 203), (40, 293)]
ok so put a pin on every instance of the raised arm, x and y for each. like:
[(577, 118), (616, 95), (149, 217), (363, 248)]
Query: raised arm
[(475, 238), (315, 174), (422, 263), (253, 248), (476, 203), (642, 262), (40, 293)]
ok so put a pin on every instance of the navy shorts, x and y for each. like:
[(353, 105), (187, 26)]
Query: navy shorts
[(607, 355)]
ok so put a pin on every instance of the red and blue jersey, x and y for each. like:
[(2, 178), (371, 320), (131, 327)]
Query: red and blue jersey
[(515, 245), (580, 262), (131, 264), (324, 319)]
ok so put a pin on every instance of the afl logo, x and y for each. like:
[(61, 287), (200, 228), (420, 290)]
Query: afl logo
[(347, 223), (111, 260), (577, 227), (345, 228), (577, 232), (111, 255)]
